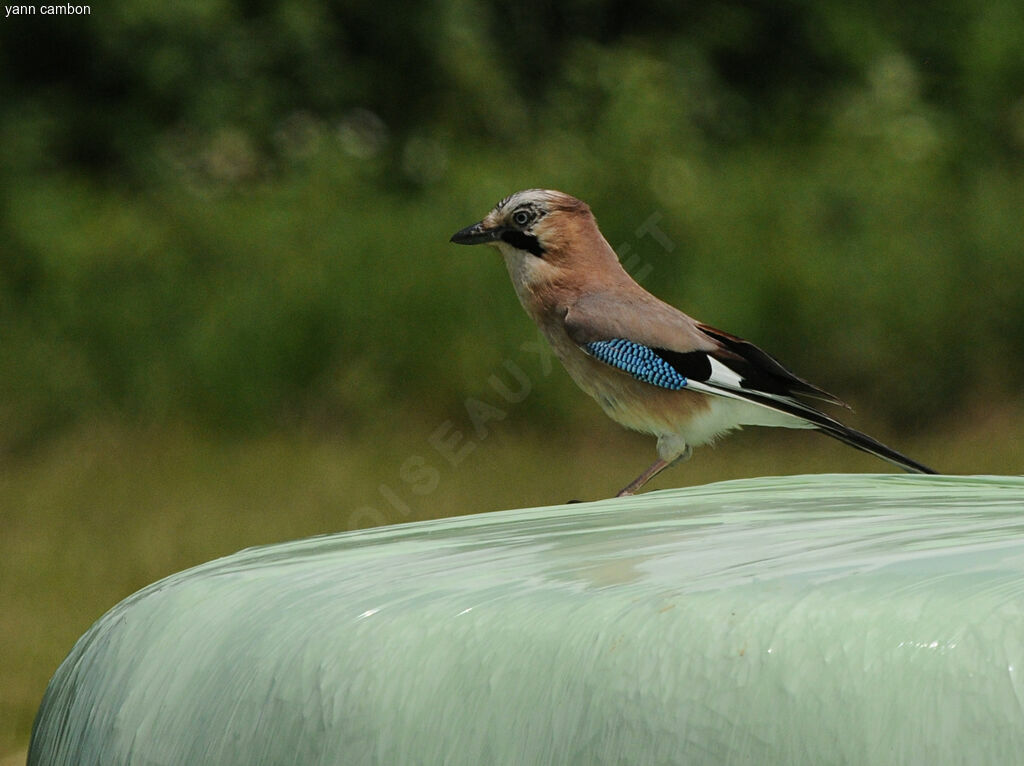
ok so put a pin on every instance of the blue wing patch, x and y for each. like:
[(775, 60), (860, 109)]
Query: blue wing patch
[(639, 361)]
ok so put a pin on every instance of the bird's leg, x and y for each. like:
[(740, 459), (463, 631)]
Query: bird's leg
[(658, 466)]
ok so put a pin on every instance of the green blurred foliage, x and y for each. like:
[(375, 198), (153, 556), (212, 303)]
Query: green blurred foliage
[(237, 213)]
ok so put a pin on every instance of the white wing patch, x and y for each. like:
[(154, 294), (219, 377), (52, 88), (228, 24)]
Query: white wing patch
[(724, 381), (723, 376)]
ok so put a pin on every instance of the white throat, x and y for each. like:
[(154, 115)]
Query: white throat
[(526, 270)]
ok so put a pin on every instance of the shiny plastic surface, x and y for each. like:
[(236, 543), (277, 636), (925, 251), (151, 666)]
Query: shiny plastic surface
[(797, 620)]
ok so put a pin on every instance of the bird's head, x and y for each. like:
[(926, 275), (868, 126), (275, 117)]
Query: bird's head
[(550, 243), (538, 223)]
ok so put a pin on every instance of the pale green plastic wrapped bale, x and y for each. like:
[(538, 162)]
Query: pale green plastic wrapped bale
[(797, 620)]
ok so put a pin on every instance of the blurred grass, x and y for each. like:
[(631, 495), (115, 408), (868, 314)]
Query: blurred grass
[(106, 509)]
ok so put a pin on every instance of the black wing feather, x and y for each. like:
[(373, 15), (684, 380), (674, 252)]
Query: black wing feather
[(760, 371), (694, 365), (843, 433)]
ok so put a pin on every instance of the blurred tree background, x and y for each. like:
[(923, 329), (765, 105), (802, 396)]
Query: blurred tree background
[(237, 213), (226, 224)]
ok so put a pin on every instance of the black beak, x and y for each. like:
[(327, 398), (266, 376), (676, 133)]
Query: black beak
[(475, 235)]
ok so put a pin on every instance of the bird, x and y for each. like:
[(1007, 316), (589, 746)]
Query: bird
[(651, 368)]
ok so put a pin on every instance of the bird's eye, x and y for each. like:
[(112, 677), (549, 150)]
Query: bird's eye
[(520, 218)]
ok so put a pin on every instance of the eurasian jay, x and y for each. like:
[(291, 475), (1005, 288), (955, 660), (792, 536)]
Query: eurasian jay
[(650, 366)]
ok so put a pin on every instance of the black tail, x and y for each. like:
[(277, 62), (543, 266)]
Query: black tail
[(865, 443), (837, 430)]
